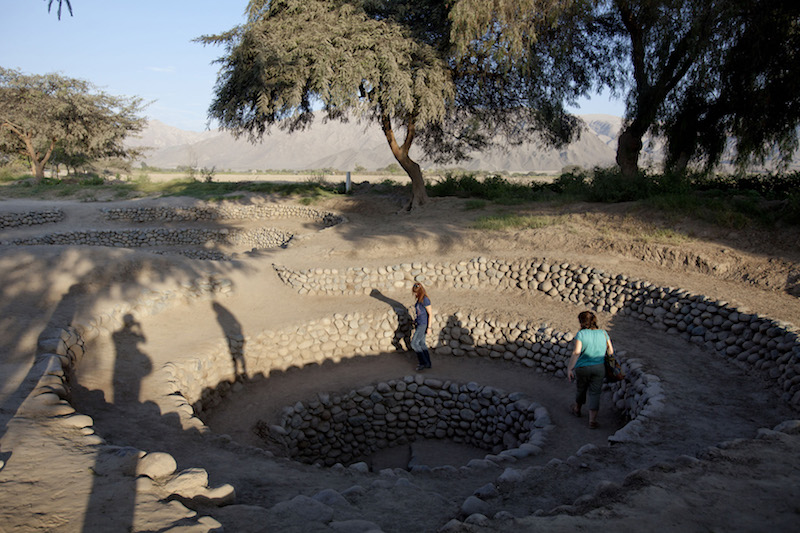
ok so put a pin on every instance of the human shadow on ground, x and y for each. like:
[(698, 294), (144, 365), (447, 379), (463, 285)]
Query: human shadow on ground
[(113, 497), (232, 330), (29, 281), (403, 331), (112, 502)]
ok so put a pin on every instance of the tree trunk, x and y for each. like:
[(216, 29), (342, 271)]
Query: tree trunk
[(680, 164), (37, 168), (628, 150), (37, 164), (419, 196)]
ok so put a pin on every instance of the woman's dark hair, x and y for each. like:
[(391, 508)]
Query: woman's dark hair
[(419, 291), (587, 320)]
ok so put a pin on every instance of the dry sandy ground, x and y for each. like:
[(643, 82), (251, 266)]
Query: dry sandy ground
[(699, 467)]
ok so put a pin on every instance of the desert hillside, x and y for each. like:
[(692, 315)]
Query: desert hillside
[(345, 146)]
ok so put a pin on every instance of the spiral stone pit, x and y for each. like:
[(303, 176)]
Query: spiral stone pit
[(754, 342)]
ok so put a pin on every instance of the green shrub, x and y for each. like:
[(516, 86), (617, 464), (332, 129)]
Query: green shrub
[(608, 185), (93, 180), (493, 188), (572, 182)]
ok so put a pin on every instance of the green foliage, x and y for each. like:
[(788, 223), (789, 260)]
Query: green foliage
[(382, 62), (493, 188), (92, 181), (572, 182), (390, 63), (208, 174), (699, 73), (609, 185), (735, 201), (741, 96), (7, 175), (391, 168), (60, 5)]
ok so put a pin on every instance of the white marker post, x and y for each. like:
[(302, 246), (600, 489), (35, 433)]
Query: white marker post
[(347, 183)]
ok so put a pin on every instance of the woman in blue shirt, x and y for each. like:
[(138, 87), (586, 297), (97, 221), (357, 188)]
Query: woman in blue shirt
[(587, 364), (422, 323)]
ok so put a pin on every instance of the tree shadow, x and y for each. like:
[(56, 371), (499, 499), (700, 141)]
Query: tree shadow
[(232, 330), (403, 331)]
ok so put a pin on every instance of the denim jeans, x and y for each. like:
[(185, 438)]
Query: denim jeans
[(419, 346), (589, 379)]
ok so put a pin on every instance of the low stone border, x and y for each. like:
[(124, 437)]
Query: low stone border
[(221, 212), (30, 218), (261, 238), (334, 429), (752, 341)]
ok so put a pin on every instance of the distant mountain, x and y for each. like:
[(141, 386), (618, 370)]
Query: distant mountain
[(159, 135), (343, 146)]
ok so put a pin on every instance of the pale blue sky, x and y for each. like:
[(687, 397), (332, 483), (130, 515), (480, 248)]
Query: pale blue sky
[(141, 48)]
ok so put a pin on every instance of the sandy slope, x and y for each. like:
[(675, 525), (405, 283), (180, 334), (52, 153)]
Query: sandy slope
[(698, 467)]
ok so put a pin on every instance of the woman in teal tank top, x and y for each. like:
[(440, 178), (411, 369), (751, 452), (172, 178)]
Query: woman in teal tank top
[(587, 364)]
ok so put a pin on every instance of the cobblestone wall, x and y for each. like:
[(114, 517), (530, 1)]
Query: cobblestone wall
[(755, 342), (221, 212), (334, 429), (30, 218), (137, 238)]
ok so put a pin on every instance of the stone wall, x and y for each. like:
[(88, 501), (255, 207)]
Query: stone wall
[(754, 342), (221, 212), (262, 238), (334, 429), (30, 218), (136, 238), (60, 350)]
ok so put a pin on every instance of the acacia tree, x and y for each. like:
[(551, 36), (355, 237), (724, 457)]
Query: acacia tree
[(672, 58), (291, 56), (744, 96), (39, 113), (389, 62)]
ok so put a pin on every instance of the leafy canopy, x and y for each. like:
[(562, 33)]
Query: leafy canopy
[(391, 62), (292, 56), (699, 72), (43, 113)]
